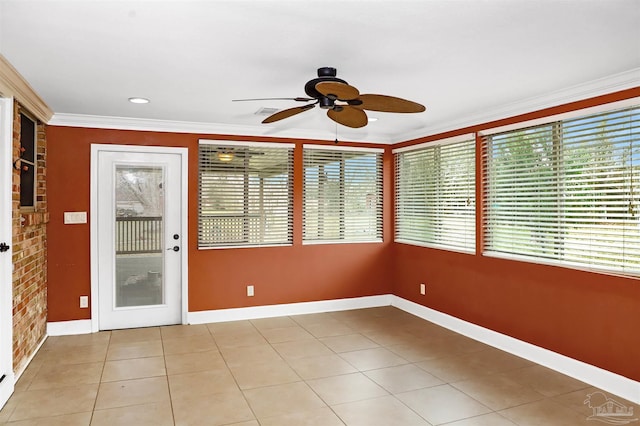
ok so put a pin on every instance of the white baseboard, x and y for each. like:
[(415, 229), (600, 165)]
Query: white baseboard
[(268, 311), (64, 328), (603, 379), (595, 376)]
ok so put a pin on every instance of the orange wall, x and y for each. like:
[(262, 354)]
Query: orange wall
[(586, 316), (217, 278)]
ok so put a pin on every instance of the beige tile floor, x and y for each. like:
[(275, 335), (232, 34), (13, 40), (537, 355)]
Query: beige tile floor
[(365, 367)]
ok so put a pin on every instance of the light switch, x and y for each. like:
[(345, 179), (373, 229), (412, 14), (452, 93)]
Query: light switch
[(75, 217)]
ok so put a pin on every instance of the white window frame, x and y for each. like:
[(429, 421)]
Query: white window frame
[(548, 120), (379, 221), (257, 145), (468, 137)]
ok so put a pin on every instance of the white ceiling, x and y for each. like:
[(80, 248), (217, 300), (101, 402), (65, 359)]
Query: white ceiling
[(467, 61)]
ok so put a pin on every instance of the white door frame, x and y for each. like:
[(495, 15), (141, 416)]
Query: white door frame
[(6, 263), (184, 153)]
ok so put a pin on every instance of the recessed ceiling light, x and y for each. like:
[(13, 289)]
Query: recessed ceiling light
[(372, 119), (139, 100)]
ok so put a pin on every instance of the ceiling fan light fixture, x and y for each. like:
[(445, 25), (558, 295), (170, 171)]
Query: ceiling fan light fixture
[(225, 157)]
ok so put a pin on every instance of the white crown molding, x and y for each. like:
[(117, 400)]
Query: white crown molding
[(603, 86), (153, 125), (597, 109), (625, 80), (13, 84)]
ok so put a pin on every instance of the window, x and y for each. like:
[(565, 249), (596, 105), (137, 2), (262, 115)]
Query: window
[(342, 194), (28, 157), (246, 194), (567, 192), (435, 194)]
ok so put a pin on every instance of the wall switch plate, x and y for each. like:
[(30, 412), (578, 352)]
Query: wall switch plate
[(423, 289), (75, 217), (84, 301), (250, 290)]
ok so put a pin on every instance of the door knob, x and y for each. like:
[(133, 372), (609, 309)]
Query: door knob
[(174, 248), (3, 247)]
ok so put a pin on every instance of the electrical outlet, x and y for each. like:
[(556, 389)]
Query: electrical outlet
[(250, 290), (84, 301), (423, 289)]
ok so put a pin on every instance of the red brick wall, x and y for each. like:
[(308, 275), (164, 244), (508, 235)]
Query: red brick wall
[(29, 254)]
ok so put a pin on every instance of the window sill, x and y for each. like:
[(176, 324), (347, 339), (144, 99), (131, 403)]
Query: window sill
[(245, 246), (562, 264), (435, 246), (311, 243)]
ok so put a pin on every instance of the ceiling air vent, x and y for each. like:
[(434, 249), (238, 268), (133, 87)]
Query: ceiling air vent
[(267, 111)]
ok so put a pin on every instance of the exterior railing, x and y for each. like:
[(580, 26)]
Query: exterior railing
[(139, 234), (229, 229)]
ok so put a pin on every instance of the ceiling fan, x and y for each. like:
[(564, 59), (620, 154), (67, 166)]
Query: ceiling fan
[(344, 103)]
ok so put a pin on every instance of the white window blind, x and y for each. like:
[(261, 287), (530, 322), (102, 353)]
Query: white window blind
[(435, 196), (567, 192), (246, 195), (342, 195)]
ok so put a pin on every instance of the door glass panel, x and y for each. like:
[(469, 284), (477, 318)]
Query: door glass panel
[(139, 241)]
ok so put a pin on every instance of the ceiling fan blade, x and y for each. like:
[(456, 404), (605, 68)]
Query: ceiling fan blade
[(348, 116), (286, 113), (337, 90), (299, 99), (385, 103)]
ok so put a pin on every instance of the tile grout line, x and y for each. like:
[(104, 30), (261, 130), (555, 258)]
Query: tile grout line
[(166, 371), (357, 325), (104, 364)]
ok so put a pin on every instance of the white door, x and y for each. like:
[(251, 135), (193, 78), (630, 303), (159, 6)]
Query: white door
[(6, 266), (139, 239)]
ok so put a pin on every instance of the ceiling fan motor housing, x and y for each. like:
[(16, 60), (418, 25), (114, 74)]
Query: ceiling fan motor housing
[(324, 74)]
